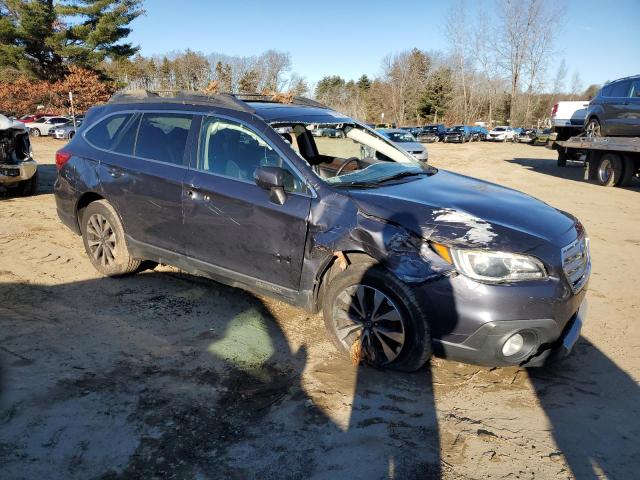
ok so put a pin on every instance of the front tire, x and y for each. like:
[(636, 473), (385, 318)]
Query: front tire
[(104, 241), (368, 310), (34, 132)]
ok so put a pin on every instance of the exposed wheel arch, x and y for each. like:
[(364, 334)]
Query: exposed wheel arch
[(339, 262), (83, 202)]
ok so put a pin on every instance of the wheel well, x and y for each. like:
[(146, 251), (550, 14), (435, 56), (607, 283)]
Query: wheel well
[(84, 202), (336, 264)]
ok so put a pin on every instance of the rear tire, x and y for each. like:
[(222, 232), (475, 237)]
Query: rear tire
[(398, 338), (562, 158), (629, 171), (593, 128), (104, 241), (610, 170)]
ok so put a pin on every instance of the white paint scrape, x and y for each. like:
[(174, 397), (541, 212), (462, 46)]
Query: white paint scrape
[(479, 230)]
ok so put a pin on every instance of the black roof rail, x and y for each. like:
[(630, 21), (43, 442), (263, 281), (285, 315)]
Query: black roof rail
[(260, 97), (224, 100), (232, 101)]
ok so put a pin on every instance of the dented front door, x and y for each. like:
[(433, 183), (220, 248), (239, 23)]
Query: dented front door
[(232, 224)]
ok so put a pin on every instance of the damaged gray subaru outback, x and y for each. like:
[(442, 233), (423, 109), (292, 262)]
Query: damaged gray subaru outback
[(403, 259)]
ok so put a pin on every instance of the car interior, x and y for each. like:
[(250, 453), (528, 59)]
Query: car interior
[(333, 156)]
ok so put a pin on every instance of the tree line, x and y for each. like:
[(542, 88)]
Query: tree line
[(495, 68)]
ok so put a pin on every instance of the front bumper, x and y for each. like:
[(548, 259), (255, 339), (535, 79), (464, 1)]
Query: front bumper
[(13, 173), (484, 346)]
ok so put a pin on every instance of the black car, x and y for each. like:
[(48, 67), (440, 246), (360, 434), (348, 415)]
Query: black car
[(403, 259), (458, 133), (431, 133), (615, 110)]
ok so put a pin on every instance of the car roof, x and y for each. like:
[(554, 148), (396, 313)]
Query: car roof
[(271, 108)]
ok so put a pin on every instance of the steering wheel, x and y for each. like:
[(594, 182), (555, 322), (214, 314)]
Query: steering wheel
[(345, 163)]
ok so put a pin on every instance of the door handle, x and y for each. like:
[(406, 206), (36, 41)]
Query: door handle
[(194, 195), (115, 172)]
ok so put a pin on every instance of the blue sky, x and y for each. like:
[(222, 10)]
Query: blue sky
[(600, 40)]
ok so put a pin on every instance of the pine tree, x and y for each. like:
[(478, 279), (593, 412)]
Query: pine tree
[(43, 38)]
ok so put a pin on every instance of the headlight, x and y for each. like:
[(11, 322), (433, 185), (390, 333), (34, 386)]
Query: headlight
[(493, 267)]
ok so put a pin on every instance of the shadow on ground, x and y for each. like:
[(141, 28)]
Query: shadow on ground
[(172, 376), (594, 410), (46, 178)]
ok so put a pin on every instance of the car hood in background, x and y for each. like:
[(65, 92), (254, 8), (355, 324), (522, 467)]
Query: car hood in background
[(411, 146), (465, 211)]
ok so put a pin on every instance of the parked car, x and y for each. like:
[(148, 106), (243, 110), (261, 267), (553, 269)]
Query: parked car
[(45, 125), (542, 136), (478, 134), (66, 131), (501, 134), (432, 133), (385, 125), (526, 135), (615, 110), (406, 142), (403, 259), (459, 133), (18, 169), (33, 117), (412, 130)]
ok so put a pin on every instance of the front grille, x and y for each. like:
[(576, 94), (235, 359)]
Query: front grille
[(576, 262)]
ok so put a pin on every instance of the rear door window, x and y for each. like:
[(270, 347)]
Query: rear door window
[(620, 89), (163, 137), (105, 133), (635, 89)]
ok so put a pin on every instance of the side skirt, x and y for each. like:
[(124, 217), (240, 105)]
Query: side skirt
[(219, 274)]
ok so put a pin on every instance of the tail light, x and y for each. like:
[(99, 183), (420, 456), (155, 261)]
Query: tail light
[(554, 110), (62, 157)]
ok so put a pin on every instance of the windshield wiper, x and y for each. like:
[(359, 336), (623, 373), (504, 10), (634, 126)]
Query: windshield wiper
[(400, 175), (376, 183)]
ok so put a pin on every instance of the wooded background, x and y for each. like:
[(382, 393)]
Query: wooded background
[(496, 67)]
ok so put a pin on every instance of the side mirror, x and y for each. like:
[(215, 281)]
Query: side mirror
[(272, 179)]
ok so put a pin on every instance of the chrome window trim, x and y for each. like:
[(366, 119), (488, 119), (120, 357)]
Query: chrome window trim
[(313, 193), (134, 112)]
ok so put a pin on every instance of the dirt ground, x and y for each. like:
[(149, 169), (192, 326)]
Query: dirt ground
[(165, 375)]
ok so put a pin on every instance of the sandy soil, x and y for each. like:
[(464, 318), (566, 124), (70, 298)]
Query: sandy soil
[(165, 375)]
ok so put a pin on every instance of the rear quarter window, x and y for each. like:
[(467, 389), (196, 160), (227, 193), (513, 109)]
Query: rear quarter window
[(104, 134)]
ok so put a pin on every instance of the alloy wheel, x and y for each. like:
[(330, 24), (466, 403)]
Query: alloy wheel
[(366, 315), (101, 240), (593, 128)]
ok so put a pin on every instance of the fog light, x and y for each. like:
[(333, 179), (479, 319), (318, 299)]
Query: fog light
[(513, 345)]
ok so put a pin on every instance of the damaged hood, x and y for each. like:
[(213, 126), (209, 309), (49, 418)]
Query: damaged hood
[(461, 210)]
